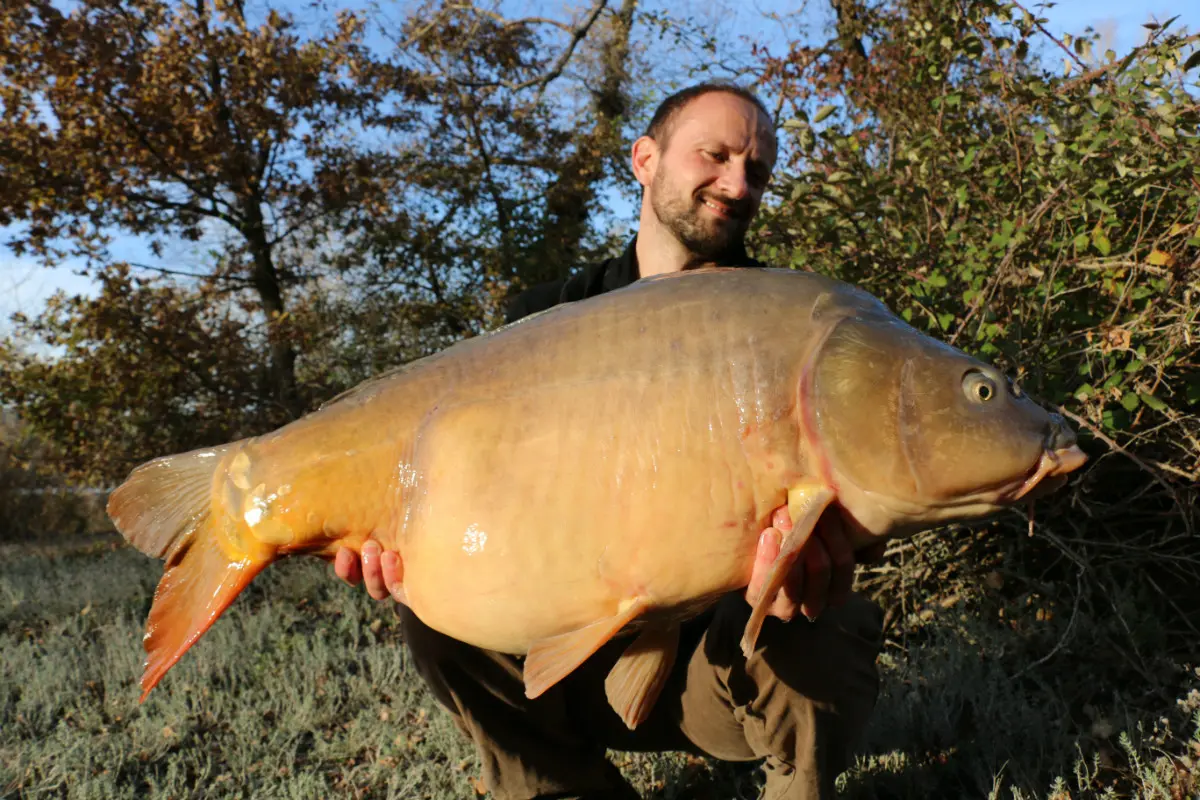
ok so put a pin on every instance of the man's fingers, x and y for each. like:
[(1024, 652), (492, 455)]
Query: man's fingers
[(787, 602), (392, 575), (817, 568), (781, 520), (841, 554), (769, 542), (373, 570), (347, 567)]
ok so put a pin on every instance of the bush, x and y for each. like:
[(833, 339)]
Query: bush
[(1050, 223), (35, 504)]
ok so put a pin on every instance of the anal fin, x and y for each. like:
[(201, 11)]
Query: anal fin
[(637, 679), (554, 658), (806, 503)]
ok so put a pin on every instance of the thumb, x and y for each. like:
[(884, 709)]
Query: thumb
[(769, 542)]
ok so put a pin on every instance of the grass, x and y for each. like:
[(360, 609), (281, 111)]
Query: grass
[(303, 690)]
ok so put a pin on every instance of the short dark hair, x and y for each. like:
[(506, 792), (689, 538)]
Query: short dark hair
[(659, 128)]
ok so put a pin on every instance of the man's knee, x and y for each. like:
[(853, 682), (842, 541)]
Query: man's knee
[(805, 694), (829, 667)]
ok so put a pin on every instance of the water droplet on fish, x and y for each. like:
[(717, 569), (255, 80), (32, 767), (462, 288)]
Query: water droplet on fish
[(474, 540)]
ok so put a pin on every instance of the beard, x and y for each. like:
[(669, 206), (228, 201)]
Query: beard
[(707, 235)]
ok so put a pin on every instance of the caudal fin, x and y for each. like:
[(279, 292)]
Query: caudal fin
[(164, 509)]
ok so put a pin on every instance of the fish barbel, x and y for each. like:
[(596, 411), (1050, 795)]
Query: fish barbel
[(604, 468)]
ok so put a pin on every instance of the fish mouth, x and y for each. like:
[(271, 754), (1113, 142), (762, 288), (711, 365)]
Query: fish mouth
[(1050, 473)]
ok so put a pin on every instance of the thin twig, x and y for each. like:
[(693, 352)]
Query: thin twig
[(1119, 449), (1062, 641)]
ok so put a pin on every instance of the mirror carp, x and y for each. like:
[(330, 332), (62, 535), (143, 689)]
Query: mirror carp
[(604, 468)]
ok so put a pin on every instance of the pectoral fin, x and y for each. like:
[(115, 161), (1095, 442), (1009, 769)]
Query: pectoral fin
[(806, 503), (636, 680), (550, 660)]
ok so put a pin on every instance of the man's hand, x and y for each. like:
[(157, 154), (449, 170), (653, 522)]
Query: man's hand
[(822, 573), (380, 569)]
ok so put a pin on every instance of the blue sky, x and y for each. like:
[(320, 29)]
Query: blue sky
[(24, 286)]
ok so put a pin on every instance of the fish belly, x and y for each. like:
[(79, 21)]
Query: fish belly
[(544, 509)]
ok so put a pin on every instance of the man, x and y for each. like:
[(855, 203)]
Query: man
[(802, 698)]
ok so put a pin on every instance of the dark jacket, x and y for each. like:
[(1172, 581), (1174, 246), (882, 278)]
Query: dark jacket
[(593, 279)]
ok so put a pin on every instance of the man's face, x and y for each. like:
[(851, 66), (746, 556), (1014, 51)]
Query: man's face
[(708, 181)]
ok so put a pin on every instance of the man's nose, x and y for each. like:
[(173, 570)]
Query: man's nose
[(733, 183)]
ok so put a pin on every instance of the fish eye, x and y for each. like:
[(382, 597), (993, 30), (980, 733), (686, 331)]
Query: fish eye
[(979, 387)]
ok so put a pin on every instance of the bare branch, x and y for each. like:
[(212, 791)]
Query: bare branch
[(542, 82)]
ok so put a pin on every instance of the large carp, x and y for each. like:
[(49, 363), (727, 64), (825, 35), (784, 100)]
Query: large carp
[(604, 467)]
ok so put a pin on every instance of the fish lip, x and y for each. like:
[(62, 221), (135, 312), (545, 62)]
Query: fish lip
[(1049, 474)]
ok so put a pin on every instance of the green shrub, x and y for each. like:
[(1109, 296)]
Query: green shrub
[(34, 504), (1049, 222)]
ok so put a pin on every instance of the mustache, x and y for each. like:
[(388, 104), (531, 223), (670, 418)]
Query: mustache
[(737, 208)]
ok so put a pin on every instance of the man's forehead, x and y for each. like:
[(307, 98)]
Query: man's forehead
[(724, 114)]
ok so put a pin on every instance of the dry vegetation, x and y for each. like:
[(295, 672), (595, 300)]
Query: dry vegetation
[(303, 690)]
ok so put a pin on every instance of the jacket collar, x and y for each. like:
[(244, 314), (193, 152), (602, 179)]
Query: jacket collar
[(623, 269)]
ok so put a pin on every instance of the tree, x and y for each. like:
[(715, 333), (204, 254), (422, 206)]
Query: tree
[(143, 367), (165, 120), (371, 207), (504, 160)]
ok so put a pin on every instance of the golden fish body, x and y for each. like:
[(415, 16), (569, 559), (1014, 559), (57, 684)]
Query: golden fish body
[(602, 466)]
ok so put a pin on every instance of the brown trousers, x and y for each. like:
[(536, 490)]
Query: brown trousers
[(799, 703)]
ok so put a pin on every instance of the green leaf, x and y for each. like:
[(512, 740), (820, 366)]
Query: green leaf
[(1152, 401), (1101, 242), (1193, 393), (1130, 401), (823, 113)]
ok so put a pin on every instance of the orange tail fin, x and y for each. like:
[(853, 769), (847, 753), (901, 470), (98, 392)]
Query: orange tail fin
[(165, 510)]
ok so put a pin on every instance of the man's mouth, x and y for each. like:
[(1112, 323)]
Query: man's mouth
[(720, 209)]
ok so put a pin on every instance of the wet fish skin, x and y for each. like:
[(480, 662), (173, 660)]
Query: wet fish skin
[(603, 467)]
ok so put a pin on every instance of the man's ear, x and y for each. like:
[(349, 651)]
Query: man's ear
[(644, 159)]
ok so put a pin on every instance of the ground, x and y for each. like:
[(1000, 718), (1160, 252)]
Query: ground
[(303, 690)]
